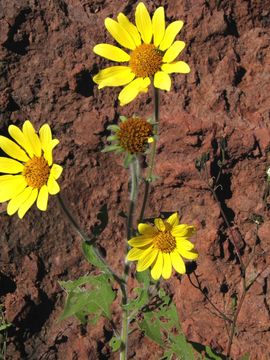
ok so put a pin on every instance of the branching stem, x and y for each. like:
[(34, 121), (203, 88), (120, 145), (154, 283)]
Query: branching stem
[(212, 187)]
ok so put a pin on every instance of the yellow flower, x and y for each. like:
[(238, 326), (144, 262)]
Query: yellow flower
[(132, 135), (152, 54), (32, 176), (162, 247)]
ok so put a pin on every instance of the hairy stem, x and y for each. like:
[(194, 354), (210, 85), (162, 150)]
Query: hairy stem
[(134, 174), (149, 176), (233, 326)]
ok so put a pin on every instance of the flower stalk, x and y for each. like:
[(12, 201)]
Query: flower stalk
[(134, 174), (149, 176)]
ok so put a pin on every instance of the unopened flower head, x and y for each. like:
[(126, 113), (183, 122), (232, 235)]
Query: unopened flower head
[(30, 172), (163, 247), (151, 56), (268, 173), (131, 136)]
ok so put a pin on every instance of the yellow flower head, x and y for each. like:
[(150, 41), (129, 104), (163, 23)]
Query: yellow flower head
[(31, 174), (162, 247), (132, 135), (152, 53)]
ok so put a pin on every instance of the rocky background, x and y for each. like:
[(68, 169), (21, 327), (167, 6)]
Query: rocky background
[(46, 65)]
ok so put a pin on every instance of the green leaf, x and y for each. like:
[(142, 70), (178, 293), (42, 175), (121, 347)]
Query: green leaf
[(115, 343), (114, 128), (128, 159), (143, 277), (91, 295), (181, 347), (211, 355), (245, 357), (168, 355), (162, 326), (112, 138), (110, 148), (140, 301), (82, 317), (151, 328), (122, 118), (89, 252), (5, 326)]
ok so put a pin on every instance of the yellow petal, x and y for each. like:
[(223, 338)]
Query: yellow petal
[(157, 266), (48, 156), (10, 166), (146, 229), (11, 187), (162, 81), (131, 90), (167, 266), (45, 135), (135, 254), (56, 171), (183, 230), (143, 23), (147, 260), (42, 200), (28, 203), (54, 143), (178, 262), (12, 149), (173, 219), (53, 186), (173, 51), (119, 33), (130, 28), (190, 255), (140, 241), (18, 200), (184, 244), (114, 76), (30, 134), (170, 34), (19, 137), (158, 22), (159, 223), (111, 52), (177, 67), (3, 178)]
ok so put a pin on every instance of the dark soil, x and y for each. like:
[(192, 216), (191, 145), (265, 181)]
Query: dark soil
[(46, 65)]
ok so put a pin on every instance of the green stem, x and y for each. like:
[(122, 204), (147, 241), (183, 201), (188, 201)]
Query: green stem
[(149, 177), (239, 306), (134, 173)]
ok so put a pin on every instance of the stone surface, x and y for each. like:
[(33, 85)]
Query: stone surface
[(46, 68)]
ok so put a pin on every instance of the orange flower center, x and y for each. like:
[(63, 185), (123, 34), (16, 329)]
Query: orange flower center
[(36, 172), (133, 135), (164, 242), (145, 60)]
